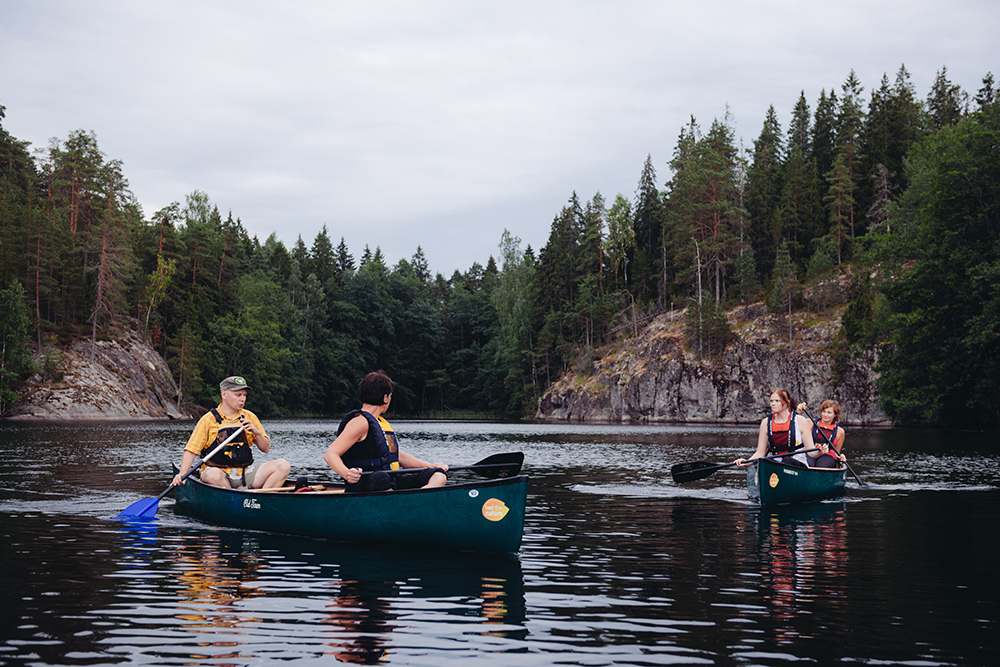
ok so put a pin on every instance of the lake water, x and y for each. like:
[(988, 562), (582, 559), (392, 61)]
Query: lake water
[(619, 565)]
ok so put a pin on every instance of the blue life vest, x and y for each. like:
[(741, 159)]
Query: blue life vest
[(378, 451)]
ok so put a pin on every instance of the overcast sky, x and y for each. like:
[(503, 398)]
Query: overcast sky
[(439, 124)]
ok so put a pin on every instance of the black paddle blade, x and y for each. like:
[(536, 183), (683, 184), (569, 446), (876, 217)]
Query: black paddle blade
[(689, 472), (499, 465)]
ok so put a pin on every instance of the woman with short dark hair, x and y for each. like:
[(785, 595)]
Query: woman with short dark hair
[(366, 446)]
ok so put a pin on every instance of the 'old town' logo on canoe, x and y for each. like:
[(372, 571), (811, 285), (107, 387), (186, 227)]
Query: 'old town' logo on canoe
[(494, 509), (774, 480)]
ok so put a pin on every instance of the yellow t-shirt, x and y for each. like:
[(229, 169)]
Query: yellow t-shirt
[(207, 430)]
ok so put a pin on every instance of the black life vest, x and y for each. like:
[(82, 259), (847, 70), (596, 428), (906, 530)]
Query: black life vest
[(237, 454), (790, 445), (378, 451)]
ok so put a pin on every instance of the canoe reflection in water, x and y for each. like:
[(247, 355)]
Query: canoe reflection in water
[(804, 558), (378, 589), (351, 598)]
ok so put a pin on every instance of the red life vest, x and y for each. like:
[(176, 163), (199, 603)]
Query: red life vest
[(781, 438), (831, 433)]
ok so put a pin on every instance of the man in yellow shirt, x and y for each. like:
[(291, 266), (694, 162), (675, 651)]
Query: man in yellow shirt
[(233, 466)]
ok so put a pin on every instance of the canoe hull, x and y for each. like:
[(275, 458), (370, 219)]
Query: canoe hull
[(773, 483), (485, 516)]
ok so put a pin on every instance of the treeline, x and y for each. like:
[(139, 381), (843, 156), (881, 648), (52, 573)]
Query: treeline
[(874, 186)]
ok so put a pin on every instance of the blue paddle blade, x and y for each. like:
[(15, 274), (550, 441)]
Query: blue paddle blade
[(141, 509)]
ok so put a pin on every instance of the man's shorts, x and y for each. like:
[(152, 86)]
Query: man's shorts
[(242, 478)]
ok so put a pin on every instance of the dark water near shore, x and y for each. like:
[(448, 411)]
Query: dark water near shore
[(619, 565)]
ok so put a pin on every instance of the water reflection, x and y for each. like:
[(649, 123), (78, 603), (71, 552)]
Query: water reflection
[(239, 593), (804, 558)]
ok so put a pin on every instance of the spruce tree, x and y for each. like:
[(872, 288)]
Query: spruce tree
[(946, 103), (764, 188), (648, 234), (839, 200), (850, 119), (783, 285)]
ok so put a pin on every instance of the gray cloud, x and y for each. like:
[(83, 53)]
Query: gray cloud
[(439, 123)]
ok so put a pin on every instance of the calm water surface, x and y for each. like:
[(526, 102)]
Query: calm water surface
[(619, 565)]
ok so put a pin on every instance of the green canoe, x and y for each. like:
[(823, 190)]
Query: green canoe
[(485, 516), (773, 483)]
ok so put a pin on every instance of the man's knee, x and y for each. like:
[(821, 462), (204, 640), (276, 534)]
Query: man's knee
[(215, 477)]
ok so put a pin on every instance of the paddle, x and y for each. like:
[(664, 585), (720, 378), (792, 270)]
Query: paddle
[(827, 438), (146, 508), (492, 467), (689, 472)]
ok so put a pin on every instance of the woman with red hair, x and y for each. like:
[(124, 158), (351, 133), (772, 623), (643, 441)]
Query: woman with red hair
[(784, 432)]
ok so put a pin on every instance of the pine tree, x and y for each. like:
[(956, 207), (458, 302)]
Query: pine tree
[(850, 120), (344, 262), (840, 202), (512, 300), (799, 197), (783, 287), (824, 133), (946, 103), (300, 253), (986, 95), (764, 188), (620, 243), (322, 256), (745, 281), (648, 233), (420, 268), (590, 254), (555, 290), (893, 124), (703, 207), (15, 353)]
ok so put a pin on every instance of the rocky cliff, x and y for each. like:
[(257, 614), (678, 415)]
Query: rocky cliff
[(656, 378), (124, 378)]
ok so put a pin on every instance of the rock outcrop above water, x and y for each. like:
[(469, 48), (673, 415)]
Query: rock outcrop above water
[(124, 378), (655, 378)]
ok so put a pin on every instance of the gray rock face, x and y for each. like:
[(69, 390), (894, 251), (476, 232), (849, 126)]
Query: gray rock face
[(655, 379), (123, 378)]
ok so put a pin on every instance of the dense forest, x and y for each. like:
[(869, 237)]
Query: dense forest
[(896, 191)]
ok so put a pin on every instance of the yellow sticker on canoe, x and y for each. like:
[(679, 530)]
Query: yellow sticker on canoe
[(494, 509), (774, 480)]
